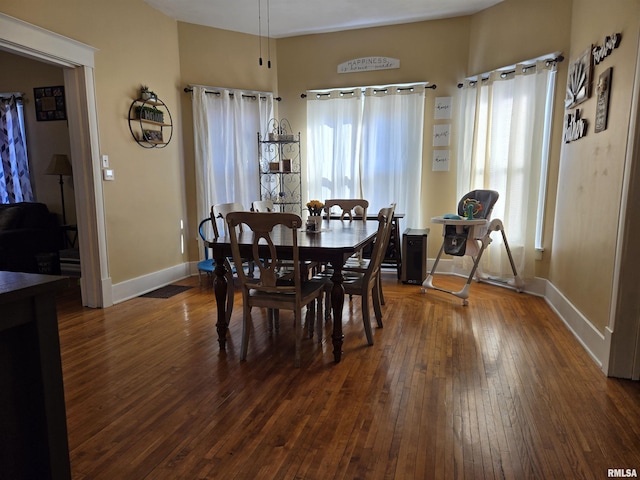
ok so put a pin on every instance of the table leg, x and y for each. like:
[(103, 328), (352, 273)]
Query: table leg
[(337, 302), (220, 290)]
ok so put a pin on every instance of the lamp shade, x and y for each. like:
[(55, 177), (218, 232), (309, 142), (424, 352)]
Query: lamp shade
[(59, 165)]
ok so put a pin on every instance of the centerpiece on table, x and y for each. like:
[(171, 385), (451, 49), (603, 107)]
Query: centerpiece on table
[(315, 215)]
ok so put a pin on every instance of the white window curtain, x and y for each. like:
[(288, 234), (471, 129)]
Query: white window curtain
[(367, 143), (15, 182), (504, 128), (334, 131), (226, 126)]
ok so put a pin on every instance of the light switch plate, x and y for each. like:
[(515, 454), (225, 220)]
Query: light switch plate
[(105, 161), (108, 174)]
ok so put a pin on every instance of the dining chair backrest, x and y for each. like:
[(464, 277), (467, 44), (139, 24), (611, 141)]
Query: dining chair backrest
[(380, 245), (262, 206), (350, 207), (203, 235), (220, 211), (387, 236), (263, 251)]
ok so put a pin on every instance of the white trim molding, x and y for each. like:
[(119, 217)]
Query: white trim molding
[(23, 37), (138, 286)]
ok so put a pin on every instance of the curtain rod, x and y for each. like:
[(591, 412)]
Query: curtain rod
[(254, 95), (8, 95), (376, 89), (559, 58)]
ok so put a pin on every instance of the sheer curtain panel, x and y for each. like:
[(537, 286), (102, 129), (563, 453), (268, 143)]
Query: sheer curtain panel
[(504, 125), (226, 126), (393, 124), (334, 132), (15, 182), (367, 142)]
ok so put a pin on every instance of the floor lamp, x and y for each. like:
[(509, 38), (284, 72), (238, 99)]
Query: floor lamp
[(60, 166)]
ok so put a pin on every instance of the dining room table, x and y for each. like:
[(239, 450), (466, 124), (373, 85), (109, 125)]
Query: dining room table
[(333, 244)]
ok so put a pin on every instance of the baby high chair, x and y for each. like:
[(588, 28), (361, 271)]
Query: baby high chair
[(469, 233)]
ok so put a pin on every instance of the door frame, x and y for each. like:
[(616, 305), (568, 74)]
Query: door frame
[(77, 61)]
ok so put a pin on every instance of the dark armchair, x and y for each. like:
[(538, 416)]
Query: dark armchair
[(28, 232)]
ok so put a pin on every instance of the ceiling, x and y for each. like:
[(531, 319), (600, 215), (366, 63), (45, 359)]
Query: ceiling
[(287, 18)]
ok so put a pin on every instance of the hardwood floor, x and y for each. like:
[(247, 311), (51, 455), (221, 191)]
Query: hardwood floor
[(497, 389)]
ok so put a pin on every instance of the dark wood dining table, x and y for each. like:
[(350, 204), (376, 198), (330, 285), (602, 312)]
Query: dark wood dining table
[(334, 244)]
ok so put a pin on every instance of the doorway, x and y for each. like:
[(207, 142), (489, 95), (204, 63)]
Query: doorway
[(77, 61)]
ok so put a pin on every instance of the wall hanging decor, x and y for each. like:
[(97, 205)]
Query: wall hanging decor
[(609, 44), (49, 103), (579, 79), (368, 63), (603, 90), (150, 120), (575, 127)]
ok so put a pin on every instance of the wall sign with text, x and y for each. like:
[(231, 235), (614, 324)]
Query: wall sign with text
[(368, 63)]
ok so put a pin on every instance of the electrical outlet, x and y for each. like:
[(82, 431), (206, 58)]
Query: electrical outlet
[(105, 161)]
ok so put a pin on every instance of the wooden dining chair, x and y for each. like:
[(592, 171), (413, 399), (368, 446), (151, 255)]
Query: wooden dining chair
[(270, 290), (366, 281), (220, 212), (349, 207), (262, 206), (356, 265)]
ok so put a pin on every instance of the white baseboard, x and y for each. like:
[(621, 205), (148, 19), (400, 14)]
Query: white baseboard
[(594, 342), (137, 286)]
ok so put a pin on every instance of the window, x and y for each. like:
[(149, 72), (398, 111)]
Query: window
[(367, 143), (226, 124), (504, 125)]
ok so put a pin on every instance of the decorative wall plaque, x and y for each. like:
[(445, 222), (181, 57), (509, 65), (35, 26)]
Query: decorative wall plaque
[(574, 127), (602, 106), (579, 80), (368, 63), (600, 52)]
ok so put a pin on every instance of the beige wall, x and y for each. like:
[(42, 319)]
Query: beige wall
[(428, 51), (136, 44), (216, 58), (592, 168), (43, 138)]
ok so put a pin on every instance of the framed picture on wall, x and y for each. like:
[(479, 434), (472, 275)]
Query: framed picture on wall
[(50, 103)]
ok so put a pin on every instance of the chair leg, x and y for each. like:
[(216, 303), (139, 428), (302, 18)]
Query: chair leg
[(319, 315), (366, 319), (311, 317), (327, 305), (246, 323), (376, 305), (230, 296), (379, 285), (297, 326), (270, 321)]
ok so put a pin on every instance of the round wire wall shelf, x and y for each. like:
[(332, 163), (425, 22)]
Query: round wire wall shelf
[(148, 123)]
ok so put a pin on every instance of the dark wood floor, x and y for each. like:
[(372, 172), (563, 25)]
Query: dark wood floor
[(498, 389)]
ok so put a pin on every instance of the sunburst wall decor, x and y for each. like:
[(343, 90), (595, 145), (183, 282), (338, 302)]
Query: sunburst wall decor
[(579, 79)]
